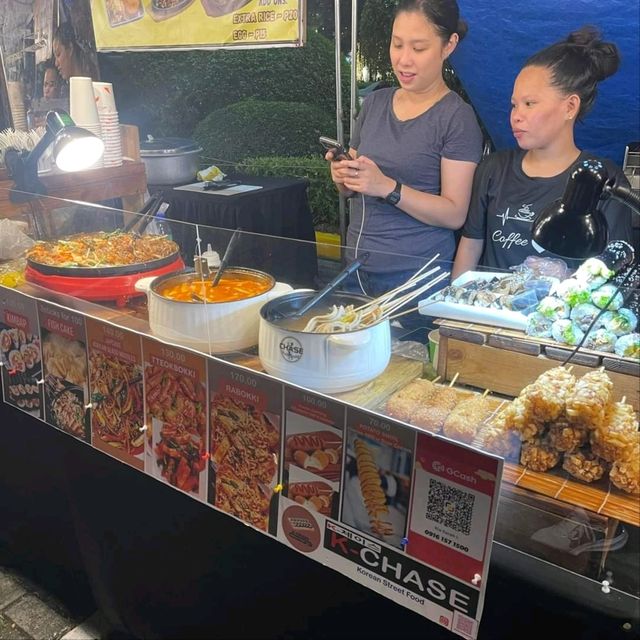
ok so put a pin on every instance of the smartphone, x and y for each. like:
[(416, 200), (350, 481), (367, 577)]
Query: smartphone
[(339, 152)]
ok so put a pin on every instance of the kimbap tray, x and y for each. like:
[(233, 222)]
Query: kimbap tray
[(495, 317)]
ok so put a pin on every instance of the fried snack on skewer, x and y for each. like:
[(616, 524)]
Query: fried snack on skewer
[(625, 474), (566, 437), (539, 455), (402, 403), (375, 501), (519, 417), (587, 403), (466, 417), (431, 417), (614, 440), (549, 393), (496, 438), (584, 465)]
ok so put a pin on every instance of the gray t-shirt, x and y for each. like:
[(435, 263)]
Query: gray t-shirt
[(409, 151), (505, 202)]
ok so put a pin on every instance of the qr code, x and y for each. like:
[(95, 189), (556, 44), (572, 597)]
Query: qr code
[(449, 506)]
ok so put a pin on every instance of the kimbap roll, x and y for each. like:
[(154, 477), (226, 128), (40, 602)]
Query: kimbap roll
[(621, 322), (584, 314), (553, 308), (601, 340), (628, 346), (538, 326), (573, 292), (566, 332), (600, 297)]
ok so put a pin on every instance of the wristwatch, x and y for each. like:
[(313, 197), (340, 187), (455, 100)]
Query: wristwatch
[(394, 197)]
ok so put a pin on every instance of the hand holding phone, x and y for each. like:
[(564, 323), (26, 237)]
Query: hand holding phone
[(339, 152)]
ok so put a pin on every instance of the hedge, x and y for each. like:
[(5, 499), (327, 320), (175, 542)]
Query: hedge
[(323, 196), (259, 128), (169, 92)]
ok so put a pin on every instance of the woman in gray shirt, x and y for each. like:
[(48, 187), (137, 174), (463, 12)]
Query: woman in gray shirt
[(414, 151)]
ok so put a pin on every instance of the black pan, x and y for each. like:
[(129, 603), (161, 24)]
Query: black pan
[(102, 272)]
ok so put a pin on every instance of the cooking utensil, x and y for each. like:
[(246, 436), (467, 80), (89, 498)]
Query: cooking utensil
[(211, 327), (170, 160), (226, 256), (332, 285), (145, 211), (326, 362)]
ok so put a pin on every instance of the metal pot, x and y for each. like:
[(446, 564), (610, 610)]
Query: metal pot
[(170, 160), (326, 362), (214, 327)]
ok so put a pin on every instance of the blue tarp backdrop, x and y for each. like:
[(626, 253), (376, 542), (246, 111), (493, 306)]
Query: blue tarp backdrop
[(503, 34)]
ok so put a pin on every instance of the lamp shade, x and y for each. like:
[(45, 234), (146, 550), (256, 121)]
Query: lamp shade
[(574, 227), (75, 149)]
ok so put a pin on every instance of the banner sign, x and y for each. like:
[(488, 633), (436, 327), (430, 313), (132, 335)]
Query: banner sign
[(197, 24), (408, 514)]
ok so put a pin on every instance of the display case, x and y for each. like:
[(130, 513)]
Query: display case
[(119, 340)]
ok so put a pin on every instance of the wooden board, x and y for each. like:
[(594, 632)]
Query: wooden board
[(508, 372)]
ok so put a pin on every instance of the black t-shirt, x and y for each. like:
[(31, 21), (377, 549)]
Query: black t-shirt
[(505, 202)]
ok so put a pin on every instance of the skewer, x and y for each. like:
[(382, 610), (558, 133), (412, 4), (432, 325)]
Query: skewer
[(453, 380), (436, 379), (400, 302), (570, 369), (486, 393), (623, 400)]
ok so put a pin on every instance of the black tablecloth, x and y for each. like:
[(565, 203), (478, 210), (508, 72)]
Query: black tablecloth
[(280, 209), (162, 565)]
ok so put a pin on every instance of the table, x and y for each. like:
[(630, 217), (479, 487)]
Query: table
[(279, 236)]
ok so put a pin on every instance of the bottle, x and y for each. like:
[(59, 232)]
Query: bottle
[(213, 258)]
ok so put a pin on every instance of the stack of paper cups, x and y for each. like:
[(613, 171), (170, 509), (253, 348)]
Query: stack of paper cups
[(83, 107), (106, 106), (16, 101)]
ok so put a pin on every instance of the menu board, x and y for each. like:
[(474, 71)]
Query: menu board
[(403, 512), (115, 382), (377, 476), (64, 361), (313, 454), (176, 416), (244, 457), (20, 353), (166, 24)]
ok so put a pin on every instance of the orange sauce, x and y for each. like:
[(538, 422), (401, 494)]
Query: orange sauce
[(227, 290)]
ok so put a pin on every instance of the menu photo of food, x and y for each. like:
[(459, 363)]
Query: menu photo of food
[(318, 496), (176, 401), (378, 469), (121, 12), (244, 445), (64, 362), (115, 377), (20, 353)]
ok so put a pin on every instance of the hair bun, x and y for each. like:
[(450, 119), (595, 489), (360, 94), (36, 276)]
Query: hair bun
[(604, 56), (462, 29)]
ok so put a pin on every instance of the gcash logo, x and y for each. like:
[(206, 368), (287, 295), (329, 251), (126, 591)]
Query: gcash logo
[(291, 349), (437, 466)]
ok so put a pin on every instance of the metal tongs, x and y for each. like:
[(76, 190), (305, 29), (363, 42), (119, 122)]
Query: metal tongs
[(201, 264), (149, 211)]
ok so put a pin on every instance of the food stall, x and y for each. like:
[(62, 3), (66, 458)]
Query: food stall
[(378, 486)]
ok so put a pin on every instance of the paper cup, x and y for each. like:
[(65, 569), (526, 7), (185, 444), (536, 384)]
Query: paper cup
[(82, 101), (103, 93), (434, 343)]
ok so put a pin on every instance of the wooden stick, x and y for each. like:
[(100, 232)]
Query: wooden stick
[(402, 313), (453, 380), (486, 393), (623, 400), (436, 379)]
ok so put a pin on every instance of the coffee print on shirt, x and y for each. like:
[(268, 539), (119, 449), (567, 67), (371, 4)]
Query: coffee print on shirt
[(513, 233)]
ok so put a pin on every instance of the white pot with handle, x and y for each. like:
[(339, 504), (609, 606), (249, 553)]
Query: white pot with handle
[(326, 362), (212, 327)]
